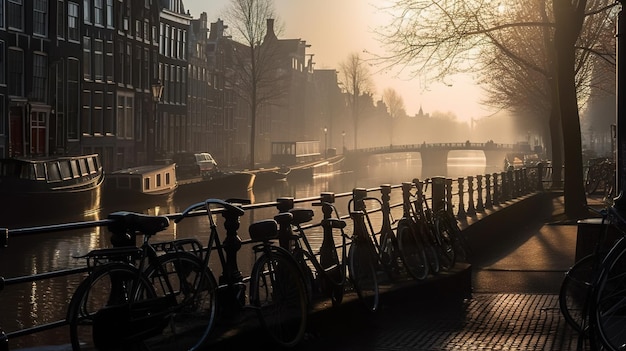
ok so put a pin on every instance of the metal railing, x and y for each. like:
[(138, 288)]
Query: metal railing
[(470, 195)]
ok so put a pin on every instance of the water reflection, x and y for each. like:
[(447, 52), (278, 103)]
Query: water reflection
[(45, 301)]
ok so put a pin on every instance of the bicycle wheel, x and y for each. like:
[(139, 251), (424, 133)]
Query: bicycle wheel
[(445, 250), (303, 257), (574, 293), (412, 253), (278, 293), (183, 276), (608, 307), (362, 269), (432, 255), (447, 227), (113, 301)]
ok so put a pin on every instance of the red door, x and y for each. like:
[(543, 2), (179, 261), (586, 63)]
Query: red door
[(16, 132)]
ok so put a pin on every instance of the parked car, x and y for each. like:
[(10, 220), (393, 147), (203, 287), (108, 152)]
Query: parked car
[(189, 164)]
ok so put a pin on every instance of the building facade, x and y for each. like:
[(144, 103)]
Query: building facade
[(137, 81)]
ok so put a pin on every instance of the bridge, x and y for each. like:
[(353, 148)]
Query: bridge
[(436, 154)]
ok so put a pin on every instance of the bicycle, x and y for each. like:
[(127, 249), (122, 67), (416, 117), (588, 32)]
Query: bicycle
[(134, 297), (363, 255), (330, 270), (410, 238), (438, 240), (592, 298), (276, 285)]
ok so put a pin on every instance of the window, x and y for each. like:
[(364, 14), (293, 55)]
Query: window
[(2, 14), (85, 116), (2, 64), (40, 17), (98, 12), (15, 81), (73, 98), (166, 43), (108, 69), (61, 19), (86, 58), (98, 59), (138, 30), (125, 113), (87, 11), (128, 62), (2, 115), (109, 121), (109, 13), (73, 32), (97, 113), (146, 30), (40, 76), (137, 65), (15, 14)]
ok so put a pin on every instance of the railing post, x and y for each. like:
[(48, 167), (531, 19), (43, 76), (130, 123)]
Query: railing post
[(438, 193), (385, 192), (358, 196), (526, 187), (508, 186), (284, 204), (539, 185), (461, 213), (471, 210), (450, 206), (480, 207), (231, 244), (497, 189), (503, 187), (488, 203), (4, 237), (328, 252), (511, 183), (516, 183)]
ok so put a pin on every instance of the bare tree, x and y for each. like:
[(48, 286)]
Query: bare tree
[(259, 79), (356, 79), (445, 37), (395, 108)]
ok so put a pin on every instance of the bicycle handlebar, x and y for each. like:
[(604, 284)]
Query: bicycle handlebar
[(226, 204)]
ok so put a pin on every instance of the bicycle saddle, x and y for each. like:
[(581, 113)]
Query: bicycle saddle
[(124, 221)]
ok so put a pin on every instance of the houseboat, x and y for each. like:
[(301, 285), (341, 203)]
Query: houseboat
[(77, 175), (141, 183)]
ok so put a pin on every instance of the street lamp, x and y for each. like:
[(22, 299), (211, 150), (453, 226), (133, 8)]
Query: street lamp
[(343, 138), (157, 92), (325, 142)]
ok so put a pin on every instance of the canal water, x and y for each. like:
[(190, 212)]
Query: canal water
[(26, 305)]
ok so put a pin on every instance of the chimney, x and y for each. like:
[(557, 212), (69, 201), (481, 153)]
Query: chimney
[(270, 30)]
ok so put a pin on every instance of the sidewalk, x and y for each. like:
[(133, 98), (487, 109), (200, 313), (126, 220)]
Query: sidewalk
[(513, 304)]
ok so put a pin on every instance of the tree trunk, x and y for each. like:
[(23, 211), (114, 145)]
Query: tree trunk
[(568, 24)]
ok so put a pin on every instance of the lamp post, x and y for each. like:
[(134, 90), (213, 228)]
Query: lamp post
[(325, 142), (343, 141), (157, 92)]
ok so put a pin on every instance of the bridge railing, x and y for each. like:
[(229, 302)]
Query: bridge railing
[(405, 147), (469, 195)]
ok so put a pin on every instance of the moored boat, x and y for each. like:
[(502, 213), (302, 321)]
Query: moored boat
[(270, 175), (49, 187), (315, 169), (218, 185), (142, 182), (50, 175)]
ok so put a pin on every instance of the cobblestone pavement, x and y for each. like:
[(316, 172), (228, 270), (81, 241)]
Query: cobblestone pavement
[(485, 322)]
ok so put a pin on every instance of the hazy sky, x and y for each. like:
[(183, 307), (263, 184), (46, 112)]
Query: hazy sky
[(334, 29)]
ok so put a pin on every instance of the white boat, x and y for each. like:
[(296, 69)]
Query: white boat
[(146, 182)]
